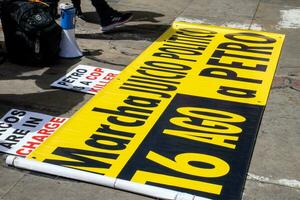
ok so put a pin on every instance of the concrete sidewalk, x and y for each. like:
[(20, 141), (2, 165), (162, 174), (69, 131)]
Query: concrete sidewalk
[(275, 168)]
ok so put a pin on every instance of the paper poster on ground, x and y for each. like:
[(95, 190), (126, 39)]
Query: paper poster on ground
[(184, 115), (87, 79), (22, 131)]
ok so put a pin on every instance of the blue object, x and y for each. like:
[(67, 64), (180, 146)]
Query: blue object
[(67, 19)]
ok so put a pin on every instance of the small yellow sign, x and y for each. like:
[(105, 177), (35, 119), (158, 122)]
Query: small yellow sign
[(183, 115)]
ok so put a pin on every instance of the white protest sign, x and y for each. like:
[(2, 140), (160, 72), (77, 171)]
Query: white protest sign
[(21, 131), (87, 79)]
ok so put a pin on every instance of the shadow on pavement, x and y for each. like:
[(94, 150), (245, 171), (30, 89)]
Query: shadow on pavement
[(49, 100), (92, 17), (149, 32), (57, 101)]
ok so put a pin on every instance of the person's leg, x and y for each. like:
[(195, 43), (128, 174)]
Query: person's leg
[(109, 18), (53, 4), (102, 8), (77, 6)]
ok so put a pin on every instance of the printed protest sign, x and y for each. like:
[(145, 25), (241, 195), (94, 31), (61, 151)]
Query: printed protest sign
[(87, 79), (184, 115), (23, 131)]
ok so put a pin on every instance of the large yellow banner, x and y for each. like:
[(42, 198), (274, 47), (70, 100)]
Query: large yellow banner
[(183, 115)]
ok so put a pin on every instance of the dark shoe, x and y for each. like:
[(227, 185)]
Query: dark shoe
[(115, 20), (79, 14)]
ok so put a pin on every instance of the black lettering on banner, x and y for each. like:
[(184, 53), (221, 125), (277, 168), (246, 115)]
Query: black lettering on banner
[(153, 86), (81, 71), (166, 76), (218, 54), (168, 65), (190, 40), (78, 88), (21, 132), (130, 112), (62, 83), (156, 79), (237, 92), (122, 122), (69, 79), (235, 64), (200, 146), (180, 51), (141, 101), (160, 94), (82, 158), (227, 75), (72, 77), (255, 38), (106, 142), (246, 48), (5, 126), (126, 111), (108, 130), (11, 140), (153, 83), (76, 74), (32, 122), (194, 36), (207, 125), (106, 137), (174, 40), (87, 83), (221, 53), (172, 56), (11, 119), (197, 31), (187, 38), (18, 113), (14, 138), (254, 52), (150, 85), (185, 42), (189, 47), (7, 145)]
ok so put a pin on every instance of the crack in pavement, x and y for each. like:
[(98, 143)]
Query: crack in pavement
[(114, 47), (12, 187), (255, 13), (104, 61), (291, 183)]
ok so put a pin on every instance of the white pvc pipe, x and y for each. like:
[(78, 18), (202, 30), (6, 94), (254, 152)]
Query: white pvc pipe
[(98, 179), (59, 171)]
